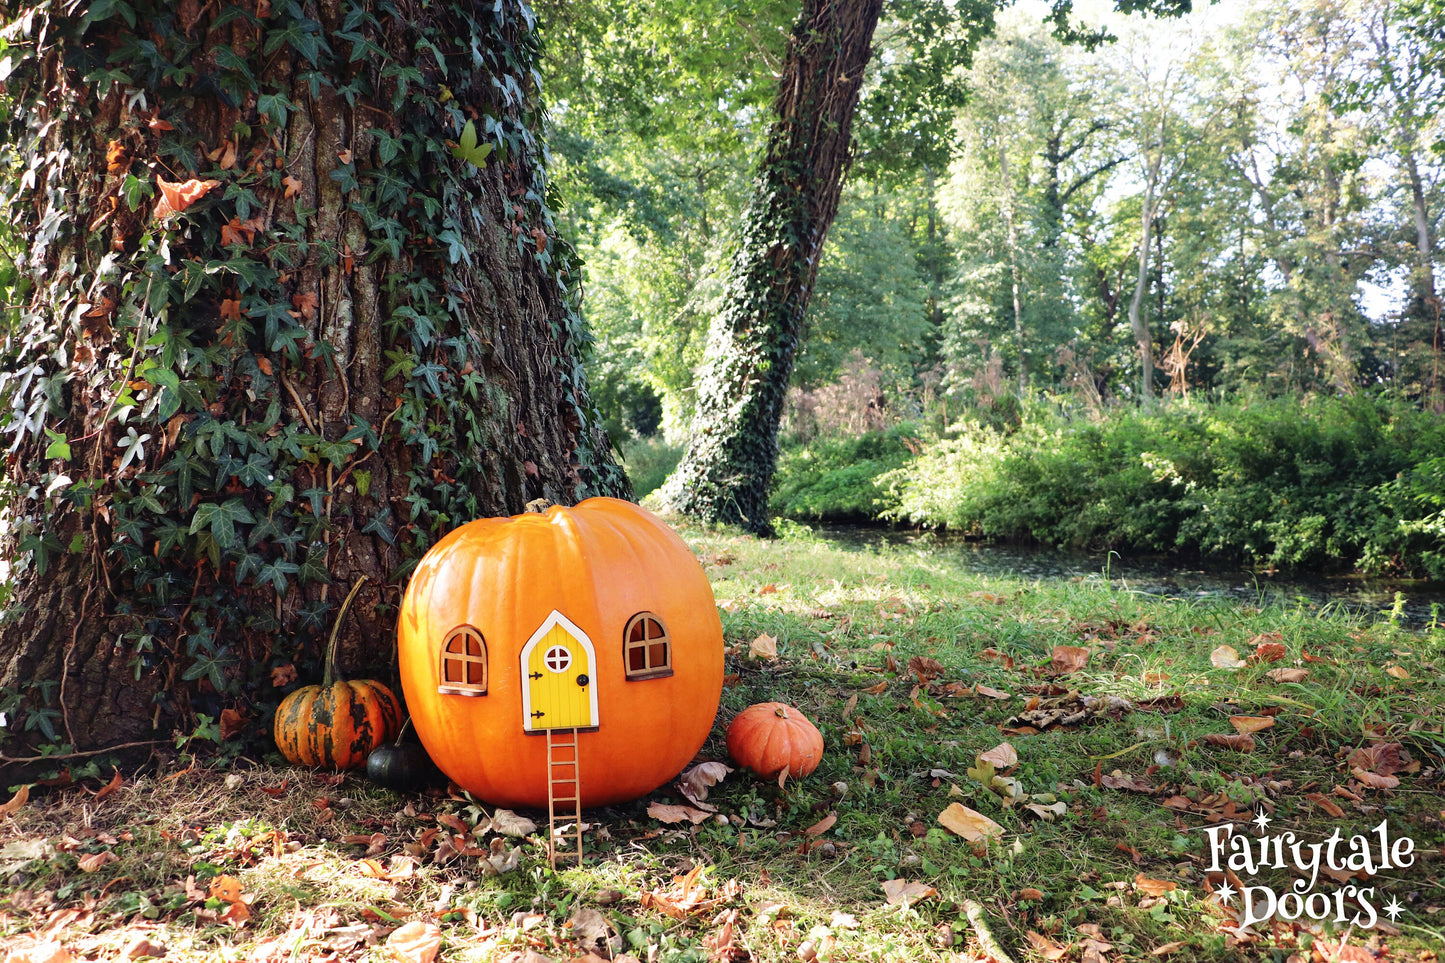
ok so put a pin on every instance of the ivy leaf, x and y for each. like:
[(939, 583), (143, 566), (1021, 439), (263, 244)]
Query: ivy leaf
[(221, 518), (467, 148), (59, 447)]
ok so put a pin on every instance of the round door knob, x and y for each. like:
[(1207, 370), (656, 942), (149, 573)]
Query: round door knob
[(582, 679)]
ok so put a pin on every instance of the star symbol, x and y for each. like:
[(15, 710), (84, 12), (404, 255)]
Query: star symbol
[(1225, 892), (1262, 820), (1393, 909)]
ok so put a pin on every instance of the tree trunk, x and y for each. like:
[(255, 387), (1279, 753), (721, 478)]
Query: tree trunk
[(1011, 234), (728, 467), (333, 340), (1137, 323)]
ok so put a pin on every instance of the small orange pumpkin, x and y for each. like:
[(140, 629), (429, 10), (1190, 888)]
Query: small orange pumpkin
[(770, 737), (336, 724)]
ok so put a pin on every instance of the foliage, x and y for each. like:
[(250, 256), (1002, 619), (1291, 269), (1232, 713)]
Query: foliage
[(649, 461), (1327, 483), (840, 478)]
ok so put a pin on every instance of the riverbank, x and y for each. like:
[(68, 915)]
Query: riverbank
[(1099, 730), (1320, 485)]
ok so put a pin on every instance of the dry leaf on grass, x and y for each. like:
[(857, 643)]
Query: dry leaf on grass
[(822, 825), (1167, 948), (1248, 725), (665, 813), (415, 942), (1046, 947), (1003, 756), (1384, 758), (1226, 657), (696, 782), (115, 783), (763, 647), (509, 823), (1373, 780), (1131, 783), (1067, 659), (990, 692), (16, 801), (906, 891), (1320, 800), (47, 952), (1399, 673), (1287, 675), (92, 862), (968, 823), (1234, 740), (1153, 887)]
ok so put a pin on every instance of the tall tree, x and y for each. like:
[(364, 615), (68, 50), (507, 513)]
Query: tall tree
[(299, 307), (728, 467)]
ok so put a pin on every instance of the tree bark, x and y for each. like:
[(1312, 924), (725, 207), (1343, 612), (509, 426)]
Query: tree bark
[(728, 467), (1137, 324), (347, 339)]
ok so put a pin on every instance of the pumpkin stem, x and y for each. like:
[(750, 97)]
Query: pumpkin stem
[(401, 733), (781, 712), (328, 671)]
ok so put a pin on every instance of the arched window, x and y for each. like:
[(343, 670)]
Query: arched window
[(464, 663), (647, 648)]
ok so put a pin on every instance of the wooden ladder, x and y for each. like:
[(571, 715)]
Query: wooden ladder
[(564, 793)]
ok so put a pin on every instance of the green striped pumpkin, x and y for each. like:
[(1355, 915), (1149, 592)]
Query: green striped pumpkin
[(336, 726), (338, 723)]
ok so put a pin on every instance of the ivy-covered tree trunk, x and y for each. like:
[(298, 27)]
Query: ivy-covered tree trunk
[(728, 467), (297, 308)]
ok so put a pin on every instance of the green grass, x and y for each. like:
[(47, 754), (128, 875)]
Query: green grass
[(847, 625)]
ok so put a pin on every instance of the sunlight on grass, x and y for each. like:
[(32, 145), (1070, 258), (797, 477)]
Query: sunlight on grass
[(911, 669)]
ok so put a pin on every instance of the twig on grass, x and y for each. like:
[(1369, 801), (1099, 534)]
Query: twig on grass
[(979, 921)]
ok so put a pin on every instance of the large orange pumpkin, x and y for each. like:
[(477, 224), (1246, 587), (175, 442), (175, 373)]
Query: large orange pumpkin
[(770, 737), (596, 618)]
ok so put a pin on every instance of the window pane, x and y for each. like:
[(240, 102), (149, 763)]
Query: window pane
[(455, 643), (474, 644), (452, 669), (476, 673), (654, 629), (635, 634), (657, 655), (637, 659)]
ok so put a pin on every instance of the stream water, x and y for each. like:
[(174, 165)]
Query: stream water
[(1423, 603)]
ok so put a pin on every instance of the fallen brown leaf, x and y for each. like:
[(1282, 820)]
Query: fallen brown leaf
[(968, 823), (22, 795), (415, 942), (665, 813), (1320, 800), (1067, 659), (1153, 887), (1003, 756), (898, 891), (696, 782), (763, 647), (1234, 740), (1248, 725), (822, 825), (1226, 657), (1287, 675), (1046, 947), (1373, 780)]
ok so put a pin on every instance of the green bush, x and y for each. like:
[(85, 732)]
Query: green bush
[(839, 478), (1326, 483), (648, 462)]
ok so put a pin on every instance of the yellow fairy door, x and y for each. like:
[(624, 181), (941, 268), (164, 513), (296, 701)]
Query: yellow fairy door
[(558, 669)]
